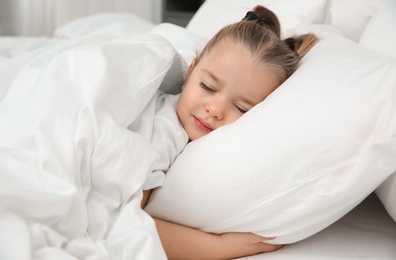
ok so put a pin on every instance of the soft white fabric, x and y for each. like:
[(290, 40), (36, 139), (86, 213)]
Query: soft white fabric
[(71, 171), (215, 14), (365, 233), (380, 35), (166, 134), (322, 31), (300, 160), (351, 16), (187, 43), (118, 24)]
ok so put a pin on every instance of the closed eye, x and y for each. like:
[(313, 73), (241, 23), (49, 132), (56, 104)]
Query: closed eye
[(205, 87), (241, 110)]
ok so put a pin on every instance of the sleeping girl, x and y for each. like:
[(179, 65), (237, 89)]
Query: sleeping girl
[(238, 68)]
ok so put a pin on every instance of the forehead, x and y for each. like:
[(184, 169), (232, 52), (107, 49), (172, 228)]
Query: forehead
[(235, 68)]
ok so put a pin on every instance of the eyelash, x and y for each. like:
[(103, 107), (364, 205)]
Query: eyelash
[(206, 88), (242, 111), (203, 86)]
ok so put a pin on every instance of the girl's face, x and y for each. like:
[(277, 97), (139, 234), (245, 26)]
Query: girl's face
[(220, 88)]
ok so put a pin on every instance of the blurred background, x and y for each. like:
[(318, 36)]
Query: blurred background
[(41, 17)]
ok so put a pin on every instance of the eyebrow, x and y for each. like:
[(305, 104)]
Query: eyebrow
[(215, 78)]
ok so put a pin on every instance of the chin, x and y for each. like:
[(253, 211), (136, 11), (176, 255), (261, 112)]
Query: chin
[(194, 136)]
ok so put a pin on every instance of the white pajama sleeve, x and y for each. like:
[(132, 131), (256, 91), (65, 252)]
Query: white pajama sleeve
[(168, 139)]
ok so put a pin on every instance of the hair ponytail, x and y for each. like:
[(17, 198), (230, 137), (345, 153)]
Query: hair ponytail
[(302, 44), (268, 18)]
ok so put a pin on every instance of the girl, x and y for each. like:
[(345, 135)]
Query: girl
[(238, 68)]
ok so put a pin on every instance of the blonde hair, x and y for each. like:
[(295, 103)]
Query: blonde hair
[(260, 37)]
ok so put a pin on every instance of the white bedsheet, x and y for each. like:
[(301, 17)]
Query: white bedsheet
[(70, 171)]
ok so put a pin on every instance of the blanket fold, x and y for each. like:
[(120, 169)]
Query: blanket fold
[(71, 172)]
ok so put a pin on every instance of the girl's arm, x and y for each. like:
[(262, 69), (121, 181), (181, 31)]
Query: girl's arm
[(181, 242), (146, 196)]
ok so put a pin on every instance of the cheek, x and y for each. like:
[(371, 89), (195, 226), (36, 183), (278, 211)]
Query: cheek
[(184, 104), (183, 101), (233, 117), (188, 95), (180, 106)]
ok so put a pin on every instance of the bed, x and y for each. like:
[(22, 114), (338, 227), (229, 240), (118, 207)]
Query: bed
[(318, 170)]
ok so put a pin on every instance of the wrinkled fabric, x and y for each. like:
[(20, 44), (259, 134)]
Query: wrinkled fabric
[(70, 171)]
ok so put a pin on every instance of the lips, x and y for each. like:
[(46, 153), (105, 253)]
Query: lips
[(201, 124)]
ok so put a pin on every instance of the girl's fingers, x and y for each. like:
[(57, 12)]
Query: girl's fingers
[(257, 238), (267, 238)]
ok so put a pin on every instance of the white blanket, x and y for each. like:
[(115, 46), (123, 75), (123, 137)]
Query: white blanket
[(70, 171)]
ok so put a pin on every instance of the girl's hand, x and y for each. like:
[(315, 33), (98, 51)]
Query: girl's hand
[(181, 242), (244, 244)]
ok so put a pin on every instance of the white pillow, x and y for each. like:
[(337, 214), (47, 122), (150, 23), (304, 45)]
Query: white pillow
[(215, 14), (351, 16), (380, 33), (380, 36), (117, 24), (298, 161)]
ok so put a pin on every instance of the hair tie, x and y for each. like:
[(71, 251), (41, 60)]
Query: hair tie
[(251, 16)]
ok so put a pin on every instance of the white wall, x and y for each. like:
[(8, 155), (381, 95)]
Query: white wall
[(41, 17)]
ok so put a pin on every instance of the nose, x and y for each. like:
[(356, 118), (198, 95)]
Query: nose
[(215, 109)]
